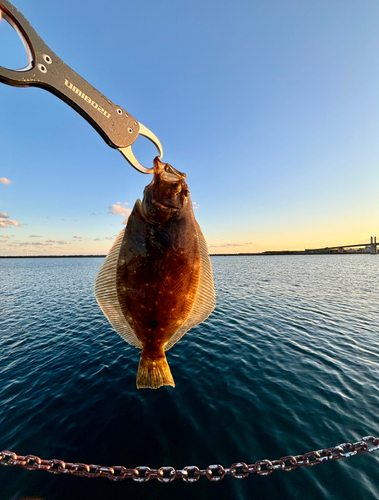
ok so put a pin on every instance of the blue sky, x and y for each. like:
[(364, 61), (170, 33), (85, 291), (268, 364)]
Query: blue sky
[(270, 107)]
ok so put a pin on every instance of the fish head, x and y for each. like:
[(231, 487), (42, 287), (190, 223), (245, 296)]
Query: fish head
[(166, 194)]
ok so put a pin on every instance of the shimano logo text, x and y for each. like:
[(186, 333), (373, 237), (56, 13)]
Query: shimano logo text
[(86, 98)]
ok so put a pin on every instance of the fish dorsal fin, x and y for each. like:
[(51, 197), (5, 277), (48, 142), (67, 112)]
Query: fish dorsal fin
[(106, 294), (205, 300)]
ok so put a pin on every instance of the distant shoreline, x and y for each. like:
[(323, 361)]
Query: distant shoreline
[(211, 255)]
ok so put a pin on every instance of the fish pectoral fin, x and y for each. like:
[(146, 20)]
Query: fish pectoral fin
[(153, 373)]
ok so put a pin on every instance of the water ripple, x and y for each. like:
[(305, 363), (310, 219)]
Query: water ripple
[(287, 363)]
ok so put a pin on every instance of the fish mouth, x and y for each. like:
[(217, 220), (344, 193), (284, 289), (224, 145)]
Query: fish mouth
[(167, 171)]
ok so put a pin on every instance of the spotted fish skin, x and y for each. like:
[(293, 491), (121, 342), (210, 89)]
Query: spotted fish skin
[(162, 283)]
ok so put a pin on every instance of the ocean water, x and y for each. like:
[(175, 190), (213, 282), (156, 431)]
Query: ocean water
[(287, 363)]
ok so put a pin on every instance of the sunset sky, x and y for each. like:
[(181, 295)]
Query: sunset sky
[(270, 107)]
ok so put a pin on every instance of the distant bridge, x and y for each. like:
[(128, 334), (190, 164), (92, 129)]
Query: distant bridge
[(371, 247)]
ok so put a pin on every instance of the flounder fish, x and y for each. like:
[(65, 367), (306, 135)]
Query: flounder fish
[(156, 282)]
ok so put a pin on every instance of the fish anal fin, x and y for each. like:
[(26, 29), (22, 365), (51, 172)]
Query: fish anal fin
[(153, 373)]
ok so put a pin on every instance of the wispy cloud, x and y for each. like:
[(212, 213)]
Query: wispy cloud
[(31, 244), (195, 205), (227, 245), (35, 236), (8, 222), (77, 237), (47, 243), (4, 236), (5, 221), (119, 208), (4, 180)]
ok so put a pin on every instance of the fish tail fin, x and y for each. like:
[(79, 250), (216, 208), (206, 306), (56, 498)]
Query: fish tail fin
[(153, 373)]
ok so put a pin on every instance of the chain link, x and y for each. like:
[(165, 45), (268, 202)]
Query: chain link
[(191, 474)]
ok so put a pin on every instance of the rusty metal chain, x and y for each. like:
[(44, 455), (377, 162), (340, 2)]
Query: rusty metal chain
[(191, 474)]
